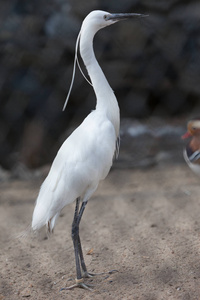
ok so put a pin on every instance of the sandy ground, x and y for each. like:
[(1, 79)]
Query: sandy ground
[(144, 223)]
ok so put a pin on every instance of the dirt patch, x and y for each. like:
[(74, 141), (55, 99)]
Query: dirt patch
[(144, 223)]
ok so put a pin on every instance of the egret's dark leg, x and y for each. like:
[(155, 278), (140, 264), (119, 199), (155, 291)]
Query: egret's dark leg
[(75, 239), (77, 246), (79, 259), (76, 209), (82, 261), (75, 236), (80, 252)]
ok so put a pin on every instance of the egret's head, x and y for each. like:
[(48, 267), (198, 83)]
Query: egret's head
[(99, 19)]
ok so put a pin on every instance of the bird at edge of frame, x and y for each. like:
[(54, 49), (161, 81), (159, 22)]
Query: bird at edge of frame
[(191, 152), (86, 156)]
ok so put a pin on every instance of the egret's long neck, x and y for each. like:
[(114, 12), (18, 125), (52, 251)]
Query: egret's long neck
[(106, 100)]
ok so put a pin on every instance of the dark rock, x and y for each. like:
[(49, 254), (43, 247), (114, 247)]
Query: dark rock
[(151, 63)]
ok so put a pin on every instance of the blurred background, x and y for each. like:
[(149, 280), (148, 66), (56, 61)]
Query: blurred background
[(152, 64)]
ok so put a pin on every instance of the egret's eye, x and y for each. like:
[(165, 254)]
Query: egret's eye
[(105, 17)]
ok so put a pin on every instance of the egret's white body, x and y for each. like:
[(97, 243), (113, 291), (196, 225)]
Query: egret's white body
[(83, 160), (86, 156)]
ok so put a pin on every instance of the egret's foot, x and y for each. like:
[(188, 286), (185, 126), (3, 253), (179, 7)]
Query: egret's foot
[(89, 274), (79, 284)]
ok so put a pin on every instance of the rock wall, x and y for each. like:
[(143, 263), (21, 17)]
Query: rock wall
[(151, 63)]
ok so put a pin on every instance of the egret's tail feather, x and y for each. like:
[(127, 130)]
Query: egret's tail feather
[(40, 217), (25, 233)]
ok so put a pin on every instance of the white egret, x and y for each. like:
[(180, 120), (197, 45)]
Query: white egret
[(86, 156)]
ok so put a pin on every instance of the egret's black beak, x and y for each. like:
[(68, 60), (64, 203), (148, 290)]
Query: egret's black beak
[(119, 17)]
